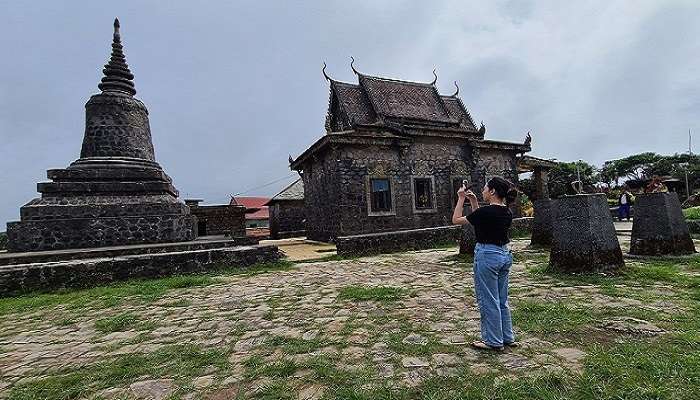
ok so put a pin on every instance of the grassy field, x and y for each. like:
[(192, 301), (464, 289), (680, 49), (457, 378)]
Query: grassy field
[(367, 353)]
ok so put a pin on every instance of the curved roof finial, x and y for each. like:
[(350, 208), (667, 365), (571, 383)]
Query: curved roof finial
[(456, 92), (352, 65), (324, 72), (435, 75)]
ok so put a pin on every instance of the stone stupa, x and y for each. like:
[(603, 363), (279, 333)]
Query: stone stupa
[(115, 193)]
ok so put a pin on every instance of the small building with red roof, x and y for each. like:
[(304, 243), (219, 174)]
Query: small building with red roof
[(257, 212)]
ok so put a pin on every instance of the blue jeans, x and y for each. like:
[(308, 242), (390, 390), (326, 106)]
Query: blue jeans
[(624, 211), (491, 266)]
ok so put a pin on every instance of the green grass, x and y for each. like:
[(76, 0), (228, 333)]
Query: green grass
[(692, 213), (548, 317), (138, 290), (373, 293), (664, 369), (122, 322), (256, 367), (180, 362), (276, 390), (467, 259), (295, 345), (646, 272), (520, 233), (104, 296)]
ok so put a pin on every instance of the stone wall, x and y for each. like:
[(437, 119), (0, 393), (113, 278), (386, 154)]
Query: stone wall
[(60, 234), (389, 242), (220, 219), (321, 186), (287, 219), (25, 278)]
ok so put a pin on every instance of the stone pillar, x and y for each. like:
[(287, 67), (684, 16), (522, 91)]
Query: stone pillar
[(583, 235), (467, 239), (541, 178), (659, 227), (542, 223)]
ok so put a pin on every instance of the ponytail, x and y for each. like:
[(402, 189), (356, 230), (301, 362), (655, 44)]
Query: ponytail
[(511, 196), (503, 188)]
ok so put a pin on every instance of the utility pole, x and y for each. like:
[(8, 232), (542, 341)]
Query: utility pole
[(690, 154)]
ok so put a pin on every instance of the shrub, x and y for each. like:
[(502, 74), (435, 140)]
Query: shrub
[(692, 213)]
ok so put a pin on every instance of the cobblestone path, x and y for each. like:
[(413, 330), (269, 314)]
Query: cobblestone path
[(302, 332)]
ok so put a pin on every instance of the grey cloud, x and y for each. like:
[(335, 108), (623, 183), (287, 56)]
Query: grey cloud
[(233, 88)]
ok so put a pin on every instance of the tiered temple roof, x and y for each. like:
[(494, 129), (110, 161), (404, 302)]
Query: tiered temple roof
[(387, 111), (376, 102)]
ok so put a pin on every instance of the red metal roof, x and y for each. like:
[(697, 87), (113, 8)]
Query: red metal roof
[(253, 202)]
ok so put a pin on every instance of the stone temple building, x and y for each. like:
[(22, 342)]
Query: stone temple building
[(287, 214), (115, 193), (393, 157)]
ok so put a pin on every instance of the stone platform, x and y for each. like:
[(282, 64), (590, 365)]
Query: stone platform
[(659, 227), (33, 257), (115, 193), (102, 267), (583, 235)]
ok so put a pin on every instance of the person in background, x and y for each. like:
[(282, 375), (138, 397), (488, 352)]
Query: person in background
[(655, 186), (492, 259), (624, 204)]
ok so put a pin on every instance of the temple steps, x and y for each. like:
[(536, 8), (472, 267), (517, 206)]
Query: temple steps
[(117, 251)]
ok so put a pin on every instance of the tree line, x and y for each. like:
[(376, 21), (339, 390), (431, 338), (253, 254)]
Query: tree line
[(634, 171)]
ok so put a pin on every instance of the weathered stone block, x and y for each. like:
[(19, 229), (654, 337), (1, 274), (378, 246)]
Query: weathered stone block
[(467, 240), (659, 227), (389, 242), (542, 223), (520, 226), (82, 273), (583, 235)]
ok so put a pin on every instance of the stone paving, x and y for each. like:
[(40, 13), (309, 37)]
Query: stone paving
[(300, 249), (294, 321)]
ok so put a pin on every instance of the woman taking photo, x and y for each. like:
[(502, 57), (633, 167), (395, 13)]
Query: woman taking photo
[(492, 259)]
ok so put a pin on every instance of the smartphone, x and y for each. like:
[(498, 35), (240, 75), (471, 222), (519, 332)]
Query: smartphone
[(465, 184)]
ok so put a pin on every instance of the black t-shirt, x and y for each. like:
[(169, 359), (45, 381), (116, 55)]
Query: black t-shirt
[(491, 224)]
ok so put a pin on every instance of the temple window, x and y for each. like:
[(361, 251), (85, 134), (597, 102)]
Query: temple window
[(380, 194), (423, 193)]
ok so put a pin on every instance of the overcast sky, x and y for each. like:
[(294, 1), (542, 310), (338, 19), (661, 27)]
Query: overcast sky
[(234, 87)]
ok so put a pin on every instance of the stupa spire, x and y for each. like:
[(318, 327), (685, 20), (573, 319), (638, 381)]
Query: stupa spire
[(117, 77)]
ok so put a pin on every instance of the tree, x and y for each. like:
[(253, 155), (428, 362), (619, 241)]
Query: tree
[(561, 176), (642, 167), (637, 166)]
